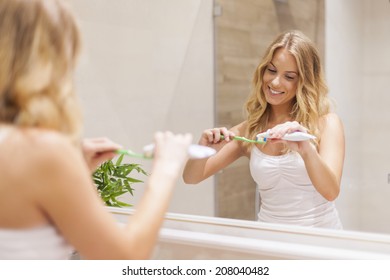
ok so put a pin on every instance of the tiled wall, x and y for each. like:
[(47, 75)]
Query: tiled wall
[(243, 31)]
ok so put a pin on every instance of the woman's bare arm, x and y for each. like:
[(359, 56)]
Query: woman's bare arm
[(66, 195)]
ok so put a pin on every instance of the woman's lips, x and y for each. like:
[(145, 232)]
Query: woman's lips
[(275, 92)]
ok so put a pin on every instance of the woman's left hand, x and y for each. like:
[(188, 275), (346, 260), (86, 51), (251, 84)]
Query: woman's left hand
[(277, 132), (98, 150)]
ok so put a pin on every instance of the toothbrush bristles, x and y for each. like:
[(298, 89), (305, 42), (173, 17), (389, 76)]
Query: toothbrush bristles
[(261, 139)]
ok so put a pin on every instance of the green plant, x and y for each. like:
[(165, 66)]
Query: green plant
[(113, 180)]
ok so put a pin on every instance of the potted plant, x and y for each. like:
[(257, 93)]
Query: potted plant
[(113, 179)]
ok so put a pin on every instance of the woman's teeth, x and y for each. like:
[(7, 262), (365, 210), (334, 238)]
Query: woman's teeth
[(275, 92)]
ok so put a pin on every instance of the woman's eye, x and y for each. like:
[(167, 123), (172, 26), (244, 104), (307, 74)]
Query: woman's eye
[(271, 70), (290, 78)]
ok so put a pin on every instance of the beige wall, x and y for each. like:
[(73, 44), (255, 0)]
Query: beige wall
[(147, 66), (358, 73)]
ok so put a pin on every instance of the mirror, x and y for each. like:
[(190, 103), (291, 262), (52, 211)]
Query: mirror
[(155, 65)]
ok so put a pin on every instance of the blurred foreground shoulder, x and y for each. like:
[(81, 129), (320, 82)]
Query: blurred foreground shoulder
[(53, 153)]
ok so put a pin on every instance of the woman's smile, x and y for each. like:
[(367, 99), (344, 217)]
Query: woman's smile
[(275, 92)]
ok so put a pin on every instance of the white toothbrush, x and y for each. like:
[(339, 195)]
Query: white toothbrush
[(194, 151)]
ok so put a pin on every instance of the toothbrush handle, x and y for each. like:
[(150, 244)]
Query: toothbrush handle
[(194, 151), (132, 154), (240, 138)]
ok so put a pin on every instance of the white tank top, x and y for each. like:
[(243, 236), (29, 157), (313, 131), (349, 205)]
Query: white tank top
[(287, 193), (40, 243)]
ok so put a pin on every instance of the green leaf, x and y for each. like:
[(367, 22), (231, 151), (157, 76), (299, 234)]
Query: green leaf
[(119, 161), (113, 180)]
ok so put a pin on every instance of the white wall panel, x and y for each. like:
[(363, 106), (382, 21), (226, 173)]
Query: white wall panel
[(148, 66)]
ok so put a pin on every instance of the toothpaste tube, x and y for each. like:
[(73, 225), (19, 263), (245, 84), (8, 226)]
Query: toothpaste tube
[(294, 136)]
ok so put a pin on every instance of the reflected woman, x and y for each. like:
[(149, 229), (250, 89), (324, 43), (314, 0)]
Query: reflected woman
[(48, 203), (298, 181)]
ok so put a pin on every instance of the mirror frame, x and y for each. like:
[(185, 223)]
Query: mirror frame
[(199, 237)]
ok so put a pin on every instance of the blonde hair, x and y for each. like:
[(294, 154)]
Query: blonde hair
[(39, 45), (311, 102)]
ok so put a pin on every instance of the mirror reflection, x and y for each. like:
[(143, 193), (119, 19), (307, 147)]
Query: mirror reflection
[(188, 65), (243, 32)]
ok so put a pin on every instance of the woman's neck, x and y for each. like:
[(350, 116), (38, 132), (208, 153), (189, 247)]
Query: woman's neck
[(279, 114)]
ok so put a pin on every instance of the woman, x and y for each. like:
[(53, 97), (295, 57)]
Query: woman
[(297, 181), (48, 204)]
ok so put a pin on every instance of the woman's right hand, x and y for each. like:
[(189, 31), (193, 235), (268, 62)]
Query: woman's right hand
[(213, 136), (220, 139), (169, 156), (171, 151)]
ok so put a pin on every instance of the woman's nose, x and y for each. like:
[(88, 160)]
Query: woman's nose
[(275, 81)]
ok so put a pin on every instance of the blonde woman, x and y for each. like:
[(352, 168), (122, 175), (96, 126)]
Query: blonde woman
[(297, 181), (48, 204)]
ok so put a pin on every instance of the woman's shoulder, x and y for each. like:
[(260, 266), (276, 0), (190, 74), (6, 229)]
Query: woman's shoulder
[(32, 157), (330, 119), (45, 141), (331, 116), (36, 146)]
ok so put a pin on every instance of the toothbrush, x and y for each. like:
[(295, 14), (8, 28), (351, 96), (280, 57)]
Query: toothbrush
[(132, 154), (194, 152), (293, 136), (259, 140)]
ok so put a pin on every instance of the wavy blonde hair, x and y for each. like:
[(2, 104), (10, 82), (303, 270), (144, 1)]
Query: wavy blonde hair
[(311, 102), (39, 45)]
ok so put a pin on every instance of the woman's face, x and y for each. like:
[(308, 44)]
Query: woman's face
[(280, 79)]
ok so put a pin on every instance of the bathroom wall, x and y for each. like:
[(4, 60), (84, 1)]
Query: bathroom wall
[(358, 72), (375, 184), (148, 66)]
